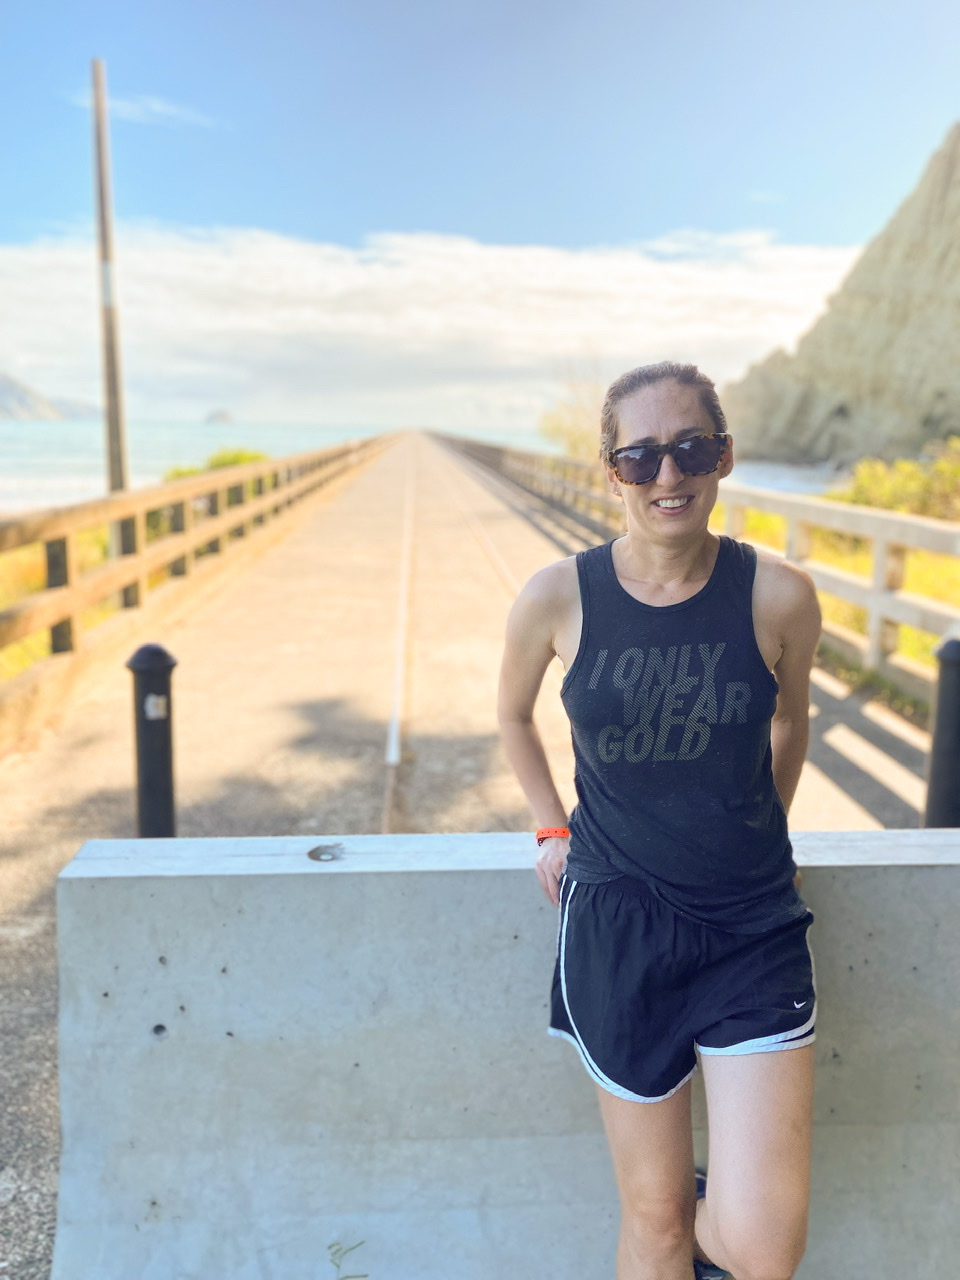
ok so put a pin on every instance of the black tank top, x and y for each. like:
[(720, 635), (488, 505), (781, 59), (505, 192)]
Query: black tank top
[(670, 708)]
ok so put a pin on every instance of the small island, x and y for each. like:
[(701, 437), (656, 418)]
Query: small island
[(219, 415)]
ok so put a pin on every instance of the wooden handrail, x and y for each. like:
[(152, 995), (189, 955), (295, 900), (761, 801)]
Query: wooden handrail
[(57, 606), (45, 524)]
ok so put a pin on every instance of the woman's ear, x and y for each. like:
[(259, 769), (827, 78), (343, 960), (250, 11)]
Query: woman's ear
[(726, 464)]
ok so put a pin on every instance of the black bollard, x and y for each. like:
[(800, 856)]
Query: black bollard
[(152, 713), (943, 786)]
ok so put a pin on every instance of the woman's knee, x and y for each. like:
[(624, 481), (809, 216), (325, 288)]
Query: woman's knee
[(658, 1225), (764, 1255)]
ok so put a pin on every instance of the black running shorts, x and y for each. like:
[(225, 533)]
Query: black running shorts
[(639, 988)]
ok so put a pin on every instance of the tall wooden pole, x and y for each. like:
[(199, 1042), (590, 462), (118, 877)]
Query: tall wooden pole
[(113, 390)]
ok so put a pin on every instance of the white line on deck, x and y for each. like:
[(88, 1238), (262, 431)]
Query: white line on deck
[(392, 755)]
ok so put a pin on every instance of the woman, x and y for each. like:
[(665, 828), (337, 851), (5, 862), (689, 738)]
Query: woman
[(687, 663)]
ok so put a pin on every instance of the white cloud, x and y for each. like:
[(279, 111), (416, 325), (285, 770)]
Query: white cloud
[(146, 109), (424, 329)]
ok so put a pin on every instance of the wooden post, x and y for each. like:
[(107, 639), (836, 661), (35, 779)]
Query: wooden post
[(213, 507), (113, 391), (60, 574), (799, 538), (883, 635), (256, 491), (133, 539), (234, 496), (122, 534), (181, 521)]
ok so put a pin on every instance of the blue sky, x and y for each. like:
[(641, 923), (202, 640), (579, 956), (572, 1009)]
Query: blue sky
[(569, 126)]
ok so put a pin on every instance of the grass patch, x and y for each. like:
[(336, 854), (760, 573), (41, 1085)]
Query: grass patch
[(842, 550), (765, 528), (22, 572), (842, 613), (92, 548), (760, 527)]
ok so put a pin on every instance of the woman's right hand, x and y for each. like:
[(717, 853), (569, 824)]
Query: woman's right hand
[(551, 865)]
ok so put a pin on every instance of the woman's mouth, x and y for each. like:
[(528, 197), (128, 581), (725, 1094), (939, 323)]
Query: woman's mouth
[(672, 504)]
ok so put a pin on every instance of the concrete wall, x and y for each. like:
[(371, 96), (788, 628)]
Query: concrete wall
[(262, 1054)]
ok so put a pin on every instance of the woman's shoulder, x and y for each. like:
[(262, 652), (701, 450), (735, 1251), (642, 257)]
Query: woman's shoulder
[(783, 590), (561, 579), (555, 583), (545, 606)]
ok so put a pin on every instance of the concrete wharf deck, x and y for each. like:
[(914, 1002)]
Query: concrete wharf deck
[(281, 699)]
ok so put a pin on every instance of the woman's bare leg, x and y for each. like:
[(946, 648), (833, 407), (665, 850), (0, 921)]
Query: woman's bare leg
[(652, 1148), (760, 1108)]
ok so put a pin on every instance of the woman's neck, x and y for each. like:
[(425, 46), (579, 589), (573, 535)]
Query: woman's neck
[(674, 564)]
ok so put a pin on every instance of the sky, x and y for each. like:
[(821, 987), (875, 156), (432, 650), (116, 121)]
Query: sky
[(435, 212)]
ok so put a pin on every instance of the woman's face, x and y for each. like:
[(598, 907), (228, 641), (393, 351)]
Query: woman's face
[(673, 503)]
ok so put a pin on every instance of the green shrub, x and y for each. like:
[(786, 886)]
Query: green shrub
[(574, 420), (222, 458), (926, 486)]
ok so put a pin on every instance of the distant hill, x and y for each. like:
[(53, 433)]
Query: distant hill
[(20, 402), (878, 374)]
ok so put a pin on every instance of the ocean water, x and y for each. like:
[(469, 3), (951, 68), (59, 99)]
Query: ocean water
[(51, 464)]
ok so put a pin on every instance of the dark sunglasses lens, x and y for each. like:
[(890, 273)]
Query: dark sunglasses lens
[(637, 466), (697, 457)]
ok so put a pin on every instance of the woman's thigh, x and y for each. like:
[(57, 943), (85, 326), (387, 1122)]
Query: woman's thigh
[(651, 1145), (760, 1114)]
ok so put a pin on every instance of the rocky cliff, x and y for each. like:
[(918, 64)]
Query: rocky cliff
[(18, 401), (22, 403), (879, 373)]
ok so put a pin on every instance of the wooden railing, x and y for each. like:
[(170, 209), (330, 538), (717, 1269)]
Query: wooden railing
[(160, 533), (580, 489)]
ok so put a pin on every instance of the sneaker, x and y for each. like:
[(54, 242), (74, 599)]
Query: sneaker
[(706, 1270)]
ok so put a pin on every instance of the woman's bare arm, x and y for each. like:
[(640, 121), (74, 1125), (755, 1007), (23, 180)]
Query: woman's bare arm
[(539, 612), (798, 617)]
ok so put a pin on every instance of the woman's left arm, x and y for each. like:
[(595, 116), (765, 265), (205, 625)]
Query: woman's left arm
[(798, 622)]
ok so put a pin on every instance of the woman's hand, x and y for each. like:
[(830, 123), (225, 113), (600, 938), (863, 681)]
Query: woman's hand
[(551, 865)]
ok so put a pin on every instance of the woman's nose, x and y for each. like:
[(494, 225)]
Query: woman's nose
[(670, 474)]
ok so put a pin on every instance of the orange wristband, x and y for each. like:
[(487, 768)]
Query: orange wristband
[(546, 833)]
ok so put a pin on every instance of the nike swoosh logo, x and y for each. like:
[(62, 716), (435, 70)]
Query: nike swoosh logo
[(800, 1005)]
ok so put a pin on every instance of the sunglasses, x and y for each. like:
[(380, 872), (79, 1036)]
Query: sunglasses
[(695, 456)]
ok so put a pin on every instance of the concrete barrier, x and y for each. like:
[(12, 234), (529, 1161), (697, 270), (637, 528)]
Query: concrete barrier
[(263, 1055)]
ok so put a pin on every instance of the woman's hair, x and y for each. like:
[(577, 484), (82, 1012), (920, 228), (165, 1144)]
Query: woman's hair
[(688, 375)]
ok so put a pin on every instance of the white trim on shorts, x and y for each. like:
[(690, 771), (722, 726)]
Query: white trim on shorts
[(593, 1070), (765, 1044), (794, 1039)]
